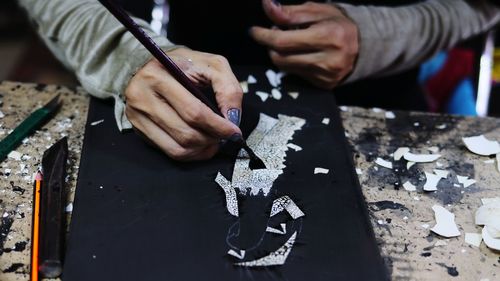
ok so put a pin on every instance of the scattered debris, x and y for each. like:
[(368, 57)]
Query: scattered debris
[(409, 164), (244, 86), (398, 154), (318, 170), (276, 94), (442, 173), (445, 222), (473, 238), (15, 155), (465, 181), (390, 115), (490, 200), (441, 127), (326, 121), (277, 231), (377, 110), (440, 243), (409, 186), (344, 108), (433, 149), (482, 146), (251, 79), (294, 95), (491, 161), (490, 241), (383, 163), (431, 182), (2, 115), (263, 95), (294, 147), (421, 158), (240, 255), (95, 123), (69, 208), (274, 78), (359, 171)]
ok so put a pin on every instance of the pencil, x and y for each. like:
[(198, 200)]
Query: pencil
[(174, 70), (35, 227)]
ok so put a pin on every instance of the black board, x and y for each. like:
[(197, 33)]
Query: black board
[(140, 216)]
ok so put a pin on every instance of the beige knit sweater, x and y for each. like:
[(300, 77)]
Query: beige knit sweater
[(92, 43)]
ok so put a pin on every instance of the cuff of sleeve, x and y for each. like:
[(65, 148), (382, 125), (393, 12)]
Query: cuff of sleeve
[(369, 40), (139, 57)]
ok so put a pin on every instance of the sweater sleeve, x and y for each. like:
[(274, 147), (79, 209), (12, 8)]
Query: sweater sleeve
[(87, 39), (393, 39)]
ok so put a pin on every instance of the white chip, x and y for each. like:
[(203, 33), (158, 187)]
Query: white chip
[(326, 121), (432, 182), (320, 171), (2, 115), (244, 86), (473, 238), (390, 115), (434, 149), (344, 108), (276, 94), (251, 79), (377, 110), (96, 122), (482, 146), (490, 200), (240, 255), (15, 155), (294, 147), (383, 163), (69, 208), (440, 243), (359, 171), (491, 161), (398, 154), (263, 95), (273, 78), (409, 164), (442, 173), (441, 127), (490, 241), (421, 158), (445, 222), (409, 186), (489, 215), (294, 95)]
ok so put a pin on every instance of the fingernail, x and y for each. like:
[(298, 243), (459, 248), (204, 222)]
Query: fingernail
[(234, 115), (235, 137)]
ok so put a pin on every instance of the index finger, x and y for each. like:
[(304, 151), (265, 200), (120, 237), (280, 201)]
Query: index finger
[(296, 40)]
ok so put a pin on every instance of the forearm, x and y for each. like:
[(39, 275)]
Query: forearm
[(92, 43), (396, 39)]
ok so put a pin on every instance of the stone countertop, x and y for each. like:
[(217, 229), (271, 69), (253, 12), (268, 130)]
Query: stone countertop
[(401, 219)]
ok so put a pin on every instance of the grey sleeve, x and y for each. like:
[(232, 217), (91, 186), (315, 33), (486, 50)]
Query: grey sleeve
[(91, 42), (396, 39)]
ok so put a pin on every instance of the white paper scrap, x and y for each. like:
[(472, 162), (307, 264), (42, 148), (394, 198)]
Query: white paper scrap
[(377, 110), (294, 95), (445, 222), (490, 241), (15, 155), (390, 115), (286, 203), (421, 158), (485, 201), (326, 121), (96, 122), (359, 171), (277, 231), (244, 86), (409, 164), (383, 163), (318, 170), (491, 161), (440, 243), (489, 215), (442, 173), (273, 78), (473, 238), (277, 257), (230, 192), (344, 108), (432, 182), (69, 208), (240, 255), (409, 186), (398, 154), (482, 146), (251, 79), (276, 94), (263, 95), (294, 147), (2, 115), (465, 181)]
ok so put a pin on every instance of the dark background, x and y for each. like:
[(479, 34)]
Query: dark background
[(24, 57)]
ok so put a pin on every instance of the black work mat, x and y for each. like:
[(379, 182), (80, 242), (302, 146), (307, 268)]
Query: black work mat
[(140, 216)]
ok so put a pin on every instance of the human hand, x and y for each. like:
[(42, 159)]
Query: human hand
[(320, 43), (173, 118)]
